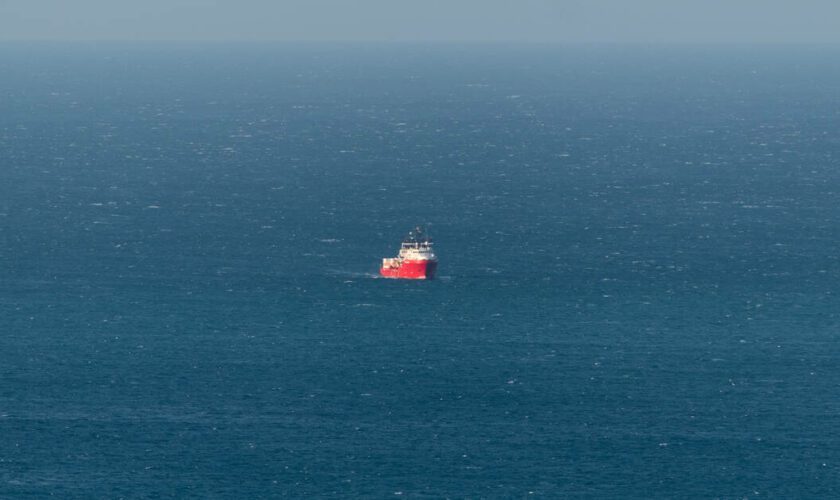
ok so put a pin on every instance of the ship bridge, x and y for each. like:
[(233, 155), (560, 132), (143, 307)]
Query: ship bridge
[(417, 245)]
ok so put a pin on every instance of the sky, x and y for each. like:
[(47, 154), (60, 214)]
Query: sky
[(552, 21)]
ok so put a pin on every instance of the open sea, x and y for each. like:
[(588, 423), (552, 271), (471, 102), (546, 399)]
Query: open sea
[(638, 291)]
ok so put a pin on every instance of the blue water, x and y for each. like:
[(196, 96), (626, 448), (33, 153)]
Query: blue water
[(638, 291)]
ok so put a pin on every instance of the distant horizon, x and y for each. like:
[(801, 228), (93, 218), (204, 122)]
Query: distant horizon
[(350, 42), (432, 21)]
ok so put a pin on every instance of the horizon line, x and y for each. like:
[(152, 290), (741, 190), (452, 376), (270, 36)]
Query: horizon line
[(245, 41)]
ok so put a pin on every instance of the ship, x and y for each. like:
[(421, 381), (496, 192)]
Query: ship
[(416, 260)]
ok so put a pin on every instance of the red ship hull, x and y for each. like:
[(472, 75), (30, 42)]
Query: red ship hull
[(411, 269)]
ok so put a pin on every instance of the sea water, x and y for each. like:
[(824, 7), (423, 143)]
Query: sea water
[(637, 293)]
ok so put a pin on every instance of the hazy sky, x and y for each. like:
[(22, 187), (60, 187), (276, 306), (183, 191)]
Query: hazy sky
[(758, 21)]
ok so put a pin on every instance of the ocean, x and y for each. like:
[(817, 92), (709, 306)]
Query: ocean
[(637, 292)]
